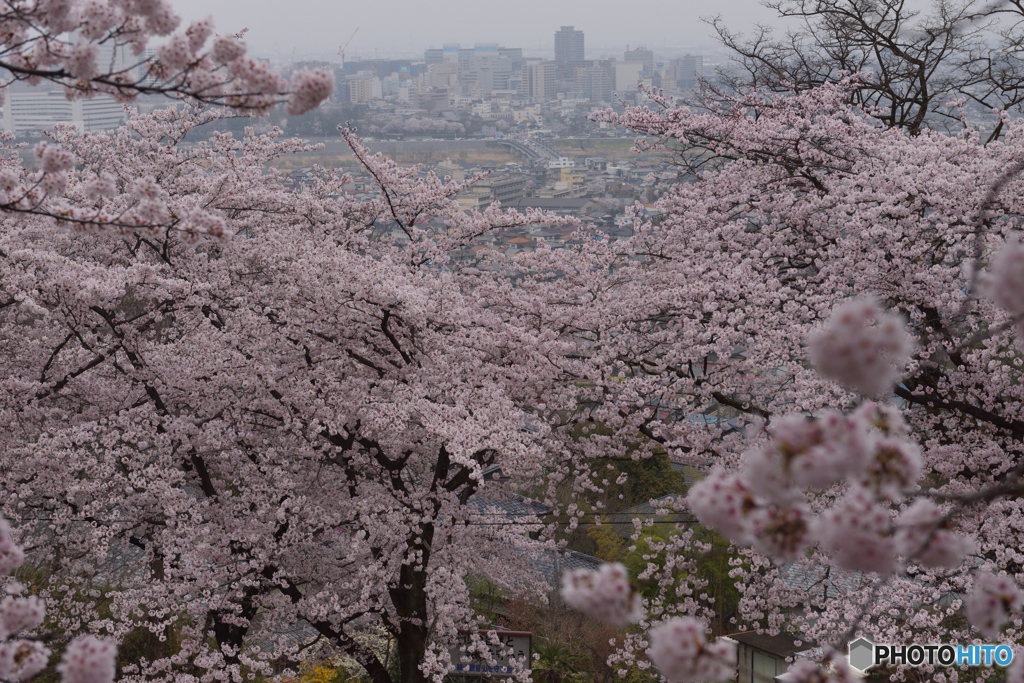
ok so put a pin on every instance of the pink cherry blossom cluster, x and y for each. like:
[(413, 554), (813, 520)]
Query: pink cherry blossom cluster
[(310, 87), (764, 504), (835, 669), (100, 200), (11, 554), (55, 162), (34, 47), (82, 61), (991, 602), (1005, 282), (861, 347), (20, 658), (680, 650), (605, 594), (924, 533), (1006, 286), (20, 614), (86, 660), (1015, 674), (391, 123), (797, 200), (341, 369)]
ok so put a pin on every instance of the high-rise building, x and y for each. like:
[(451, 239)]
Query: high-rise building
[(443, 75), (487, 72), (539, 81), (381, 68), (594, 83), (479, 70), (34, 109), (364, 87), (640, 54), (686, 71), (514, 55), (568, 45)]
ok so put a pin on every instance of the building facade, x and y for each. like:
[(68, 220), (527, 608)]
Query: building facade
[(640, 54), (364, 88), (687, 70), (538, 81), (594, 83), (35, 109), (568, 45)]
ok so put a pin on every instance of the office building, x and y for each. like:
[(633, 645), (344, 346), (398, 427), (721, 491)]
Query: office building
[(442, 75), (364, 87), (513, 55), (504, 189), (640, 54), (686, 70), (593, 82), (538, 81), (29, 110), (382, 68), (568, 45)]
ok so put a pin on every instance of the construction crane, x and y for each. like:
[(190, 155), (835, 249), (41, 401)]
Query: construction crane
[(341, 49)]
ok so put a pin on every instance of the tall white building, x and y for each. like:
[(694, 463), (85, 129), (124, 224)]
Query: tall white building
[(35, 109), (568, 45), (538, 81), (364, 87)]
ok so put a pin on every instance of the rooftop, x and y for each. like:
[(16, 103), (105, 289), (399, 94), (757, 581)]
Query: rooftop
[(782, 644)]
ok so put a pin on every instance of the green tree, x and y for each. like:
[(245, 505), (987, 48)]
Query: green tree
[(557, 664)]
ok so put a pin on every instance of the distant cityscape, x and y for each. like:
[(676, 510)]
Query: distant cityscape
[(488, 80), (458, 75), (522, 122)]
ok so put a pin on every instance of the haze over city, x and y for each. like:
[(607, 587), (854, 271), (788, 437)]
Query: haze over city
[(317, 27)]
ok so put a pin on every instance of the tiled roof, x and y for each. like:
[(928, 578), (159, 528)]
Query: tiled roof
[(822, 580), (551, 564), (782, 644), (513, 506)]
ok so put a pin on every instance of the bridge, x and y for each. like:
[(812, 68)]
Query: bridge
[(534, 150)]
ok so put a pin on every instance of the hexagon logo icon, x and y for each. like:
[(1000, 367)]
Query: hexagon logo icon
[(862, 654)]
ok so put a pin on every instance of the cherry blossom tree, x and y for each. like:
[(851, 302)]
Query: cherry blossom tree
[(390, 123), (915, 58), (91, 47), (95, 48), (87, 659), (824, 260), (224, 439)]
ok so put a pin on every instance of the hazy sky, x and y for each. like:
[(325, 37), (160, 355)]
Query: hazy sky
[(311, 26)]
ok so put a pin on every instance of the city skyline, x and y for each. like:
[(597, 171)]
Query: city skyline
[(400, 27)]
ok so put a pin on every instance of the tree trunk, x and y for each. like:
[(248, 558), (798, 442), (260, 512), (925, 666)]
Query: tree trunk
[(410, 599)]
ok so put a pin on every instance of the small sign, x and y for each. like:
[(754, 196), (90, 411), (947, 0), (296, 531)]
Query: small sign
[(472, 664)]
